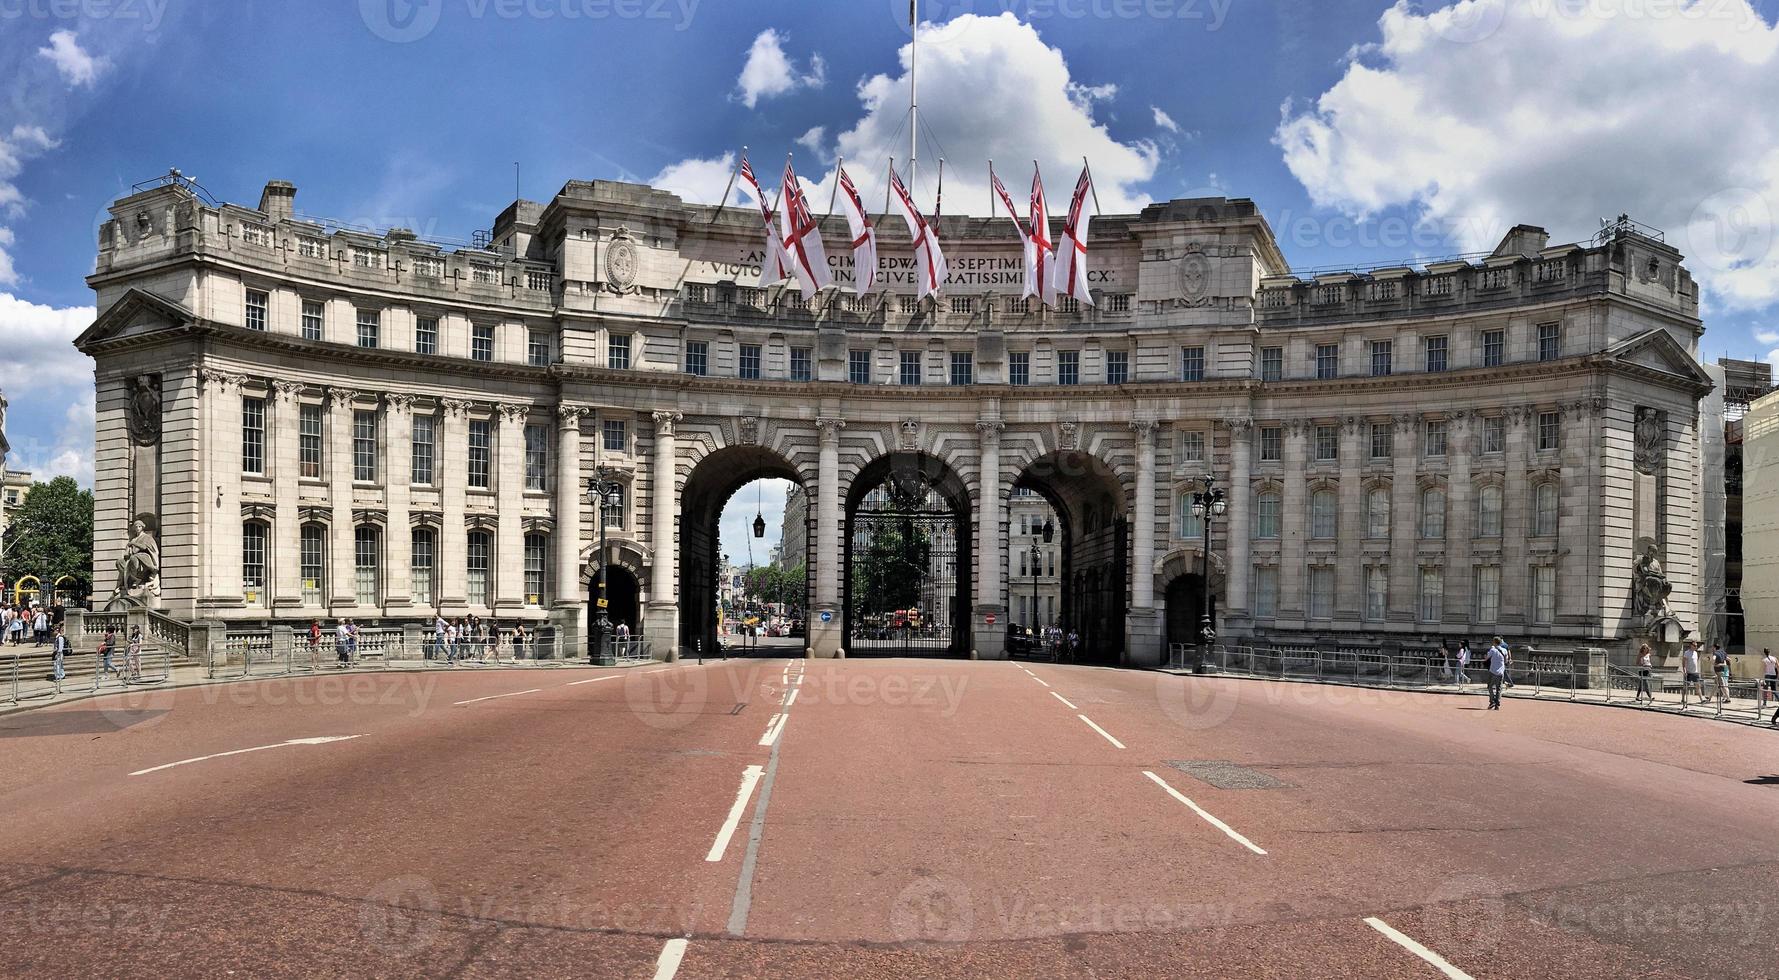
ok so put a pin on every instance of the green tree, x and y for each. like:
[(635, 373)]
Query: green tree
[(888, 574), (51, 535)]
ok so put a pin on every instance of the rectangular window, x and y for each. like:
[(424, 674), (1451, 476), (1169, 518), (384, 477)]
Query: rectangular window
[(1377, 592), (1544, 594), (1266, 591), (617, 352), (1019, 367), (1434, 441), (536, 548), (1549, 432), (1321, 592), (1380, 358), (253, 436), (423, 445), (1192, 526), (481, 342), (537, 457), (1383, 440), (313, 318), (366, 562), (1192, 364), (1068, 367), (1327, 442), (1327, 362), (537, 348), (253, 561), (312, 564), (370, 328), (426, 335), (1192, 447), (1436, 353), (614, 435), (1494, 347), (257, 301), (1488, 593), (309, 442), (476, 565), (698, 357), (910, 367), (1550, 341), (611, 511), (364, 447), (800, 367), (1272, 363), (1117, 367), (1266, 516), (858, 367), (480, 439), (1272, 443), (421, 561), (1494, 434), (1432, 595), (748, 368), (963, 367)]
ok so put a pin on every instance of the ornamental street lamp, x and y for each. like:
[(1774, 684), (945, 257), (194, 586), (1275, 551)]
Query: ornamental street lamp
[(601, 492), (1047, 532), (1207, 505)]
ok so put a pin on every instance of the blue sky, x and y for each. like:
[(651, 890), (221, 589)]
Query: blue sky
[(1368, 131)]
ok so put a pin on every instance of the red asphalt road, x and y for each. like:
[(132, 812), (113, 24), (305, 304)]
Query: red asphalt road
[(944, 819)]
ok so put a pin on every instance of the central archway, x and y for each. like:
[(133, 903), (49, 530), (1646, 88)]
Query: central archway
[(908, 559), (715, 479)]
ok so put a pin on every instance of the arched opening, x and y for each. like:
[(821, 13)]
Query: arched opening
[(1185, 610), (624, 594), (1094, 534), (706, 580), (908, 567)]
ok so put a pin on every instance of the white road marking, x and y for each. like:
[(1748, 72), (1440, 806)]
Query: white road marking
[(1433, 959), (595, 680), (323, 740), (1213, 821), (1064, 701), (1097, 728), (1040, 680), (750, 777), (492, 697), (773, 726), (791, 700), (667, 964)]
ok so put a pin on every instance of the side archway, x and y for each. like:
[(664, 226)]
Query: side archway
[(713, 480), (1092, 507), (909, 573)]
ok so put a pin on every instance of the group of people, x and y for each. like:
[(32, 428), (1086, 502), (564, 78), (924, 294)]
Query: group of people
[(1498, 658), (108, 650), (474, 638), (29, 620)]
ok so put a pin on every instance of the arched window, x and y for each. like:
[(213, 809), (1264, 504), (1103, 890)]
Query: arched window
[(1377, 513), (476, 564), (1266, 514), (312, 563), (1323, 508), (1488, 512), (367, 564), (422, 551), (1544, 516), (1433, 513), (536, 559), (253, 562)]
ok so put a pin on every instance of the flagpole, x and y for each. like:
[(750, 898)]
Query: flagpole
[(991, 189), (913, 90), (939, 193), (835, 194), (726, 191), (1090, 186)]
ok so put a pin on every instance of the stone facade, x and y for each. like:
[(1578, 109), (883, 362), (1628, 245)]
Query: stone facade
[(323, 422)]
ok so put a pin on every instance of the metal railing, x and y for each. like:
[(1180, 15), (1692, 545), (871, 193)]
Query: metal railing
[(36, 675), (265, 655), (1535, 674)]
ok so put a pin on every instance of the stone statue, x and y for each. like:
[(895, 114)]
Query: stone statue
[(1651, 439), (143, 411), (138, 568), (1649, 584)]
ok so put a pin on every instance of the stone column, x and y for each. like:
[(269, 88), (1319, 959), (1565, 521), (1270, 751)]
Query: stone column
[(1294, 524), (663, 625), (1241, 500), (826, 638), (1575, 579), (1349, 591), (221, 496), (1516, 531), (1460, 521), (1144, 626), (509, 537), (989, 639), (1405, 516), (398, 479), (570, 608), (450, 472), (285, 574), (341, 584)]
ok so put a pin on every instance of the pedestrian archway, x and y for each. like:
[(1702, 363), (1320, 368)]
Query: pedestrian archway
[(908, 559), (714, 480), (1094, 530)]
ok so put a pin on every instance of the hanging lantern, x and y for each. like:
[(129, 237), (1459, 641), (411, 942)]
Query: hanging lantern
[(759, 525)]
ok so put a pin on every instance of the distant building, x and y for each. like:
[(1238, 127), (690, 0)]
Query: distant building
[(793, 542), (1744, 384), (1034, 565)]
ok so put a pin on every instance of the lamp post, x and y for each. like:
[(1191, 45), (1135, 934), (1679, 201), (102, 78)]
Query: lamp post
[(1046, 532), (600, 491), (1207, 505)]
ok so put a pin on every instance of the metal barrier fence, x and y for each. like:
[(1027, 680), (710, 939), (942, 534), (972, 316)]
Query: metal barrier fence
[(1537, 676), (263, 655), (35, 675)]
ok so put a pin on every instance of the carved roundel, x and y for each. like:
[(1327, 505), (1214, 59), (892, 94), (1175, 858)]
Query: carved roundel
[(620, 264), (1195, 276)]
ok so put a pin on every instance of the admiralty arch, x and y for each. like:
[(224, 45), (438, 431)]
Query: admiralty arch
[(310, 421)]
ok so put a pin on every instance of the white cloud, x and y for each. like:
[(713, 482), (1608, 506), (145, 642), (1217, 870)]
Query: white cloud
[(1487, 113), (815, 140), (40, 355), (1767, 337), (24, 143), (698, 181), (1163, 120), (69, 452), (76, 65), (769, 72)]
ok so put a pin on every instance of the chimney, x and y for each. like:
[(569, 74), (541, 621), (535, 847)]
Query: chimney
[(278, 200), (1523, 240)]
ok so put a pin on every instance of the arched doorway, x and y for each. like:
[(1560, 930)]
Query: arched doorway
[(624, 594), (908, 566), (714, 480), (1185, 610), (1093, 526)]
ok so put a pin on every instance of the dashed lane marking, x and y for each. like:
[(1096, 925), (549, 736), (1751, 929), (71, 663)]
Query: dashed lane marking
[(1102, 731), (774, 726), (1040, 680), (1433, 959), (493, 697), (1201, 811), (750, 777), (322, 740), (1064, 701), (667, 964), (595, 680), (791, 700)]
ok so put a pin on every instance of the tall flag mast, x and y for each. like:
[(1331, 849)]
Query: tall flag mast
[(913, 92)]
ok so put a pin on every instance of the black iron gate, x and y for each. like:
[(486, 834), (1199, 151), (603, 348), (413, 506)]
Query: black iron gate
[(904, 546)]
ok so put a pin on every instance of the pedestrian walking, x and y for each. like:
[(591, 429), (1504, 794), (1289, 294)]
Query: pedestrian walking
[(1690, 680), (59, 649), (351, 641), (1644, 662), (1769, 678), (106, 644), (1459, 677), (40, 626), (1497, 673), (1720, 672), (437, 650), (314, 643), (341, 634), (133, 654), (17, 627)]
